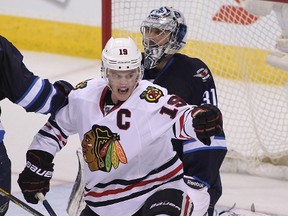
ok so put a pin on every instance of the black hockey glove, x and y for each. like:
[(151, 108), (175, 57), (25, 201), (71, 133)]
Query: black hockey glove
[(207, 122), (61, 97), (64, 86), (36, 175)]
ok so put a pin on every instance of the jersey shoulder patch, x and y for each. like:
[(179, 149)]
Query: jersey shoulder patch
[(152, 94), (82, 84)]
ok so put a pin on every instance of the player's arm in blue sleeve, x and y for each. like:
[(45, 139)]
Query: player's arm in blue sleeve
[(26, 89)]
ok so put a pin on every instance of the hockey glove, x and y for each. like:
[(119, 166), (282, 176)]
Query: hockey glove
[(64, 86), (36, 175), (207, 122), (61, 98)]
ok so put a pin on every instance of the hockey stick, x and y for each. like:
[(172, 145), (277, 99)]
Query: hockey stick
[(76, 202), (228, 210), (46, 204), (20, 203)]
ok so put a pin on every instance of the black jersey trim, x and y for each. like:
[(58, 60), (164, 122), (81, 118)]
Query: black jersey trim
[(131, 196), (129, 182), (55, 125), (44, 133)]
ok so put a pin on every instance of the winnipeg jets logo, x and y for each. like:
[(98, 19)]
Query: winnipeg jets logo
[(161, 12), (203, 73)]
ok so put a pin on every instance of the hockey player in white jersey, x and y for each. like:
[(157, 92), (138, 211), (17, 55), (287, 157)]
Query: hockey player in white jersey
[(125, 125)]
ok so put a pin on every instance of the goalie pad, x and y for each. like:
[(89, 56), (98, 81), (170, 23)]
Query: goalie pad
[(258, 7), (76, 201), (281, 11), (278, 59), (282, 44)]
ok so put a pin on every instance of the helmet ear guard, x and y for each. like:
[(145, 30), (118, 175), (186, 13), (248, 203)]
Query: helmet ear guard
[(180, 31), (180, 40), (181, 34)]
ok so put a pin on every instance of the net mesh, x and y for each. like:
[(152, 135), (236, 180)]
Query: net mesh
[(252, 94)]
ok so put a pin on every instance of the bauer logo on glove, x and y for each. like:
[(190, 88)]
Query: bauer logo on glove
[(35, 178), (33, 168), (207, 122)]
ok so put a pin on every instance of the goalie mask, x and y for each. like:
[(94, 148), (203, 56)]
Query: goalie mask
[(163, 32), (121, 54)]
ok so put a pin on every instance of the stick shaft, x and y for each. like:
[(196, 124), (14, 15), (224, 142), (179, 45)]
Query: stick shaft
[(46, 204), (20, 203)]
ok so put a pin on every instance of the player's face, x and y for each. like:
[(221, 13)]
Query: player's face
[(122, 83), (156, 37)]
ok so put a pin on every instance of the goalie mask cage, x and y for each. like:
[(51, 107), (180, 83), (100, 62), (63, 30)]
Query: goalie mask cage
[(252, 95)]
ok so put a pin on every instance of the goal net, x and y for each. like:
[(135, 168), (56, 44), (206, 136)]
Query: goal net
[(252, 95)]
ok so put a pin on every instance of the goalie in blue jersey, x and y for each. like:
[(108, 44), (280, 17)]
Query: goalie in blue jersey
[(164, 34)]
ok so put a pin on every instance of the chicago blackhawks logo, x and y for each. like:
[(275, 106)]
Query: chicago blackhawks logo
[(102, 149), (152, 94)]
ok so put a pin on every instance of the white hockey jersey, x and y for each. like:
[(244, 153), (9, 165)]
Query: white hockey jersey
[(128, 152)]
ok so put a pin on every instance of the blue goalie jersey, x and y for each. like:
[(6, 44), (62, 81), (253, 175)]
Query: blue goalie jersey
[(191, 79)]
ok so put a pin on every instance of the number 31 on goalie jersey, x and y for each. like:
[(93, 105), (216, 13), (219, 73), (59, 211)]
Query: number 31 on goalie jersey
[(209, 97)]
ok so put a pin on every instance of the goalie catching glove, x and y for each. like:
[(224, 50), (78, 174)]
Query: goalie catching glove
[(36, 175), (207, 122)]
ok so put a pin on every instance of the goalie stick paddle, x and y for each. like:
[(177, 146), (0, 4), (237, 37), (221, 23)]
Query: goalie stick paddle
[(46, 204), (20, 203)]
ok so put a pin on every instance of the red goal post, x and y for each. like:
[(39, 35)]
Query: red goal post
[(234, 43), (106, 21)]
